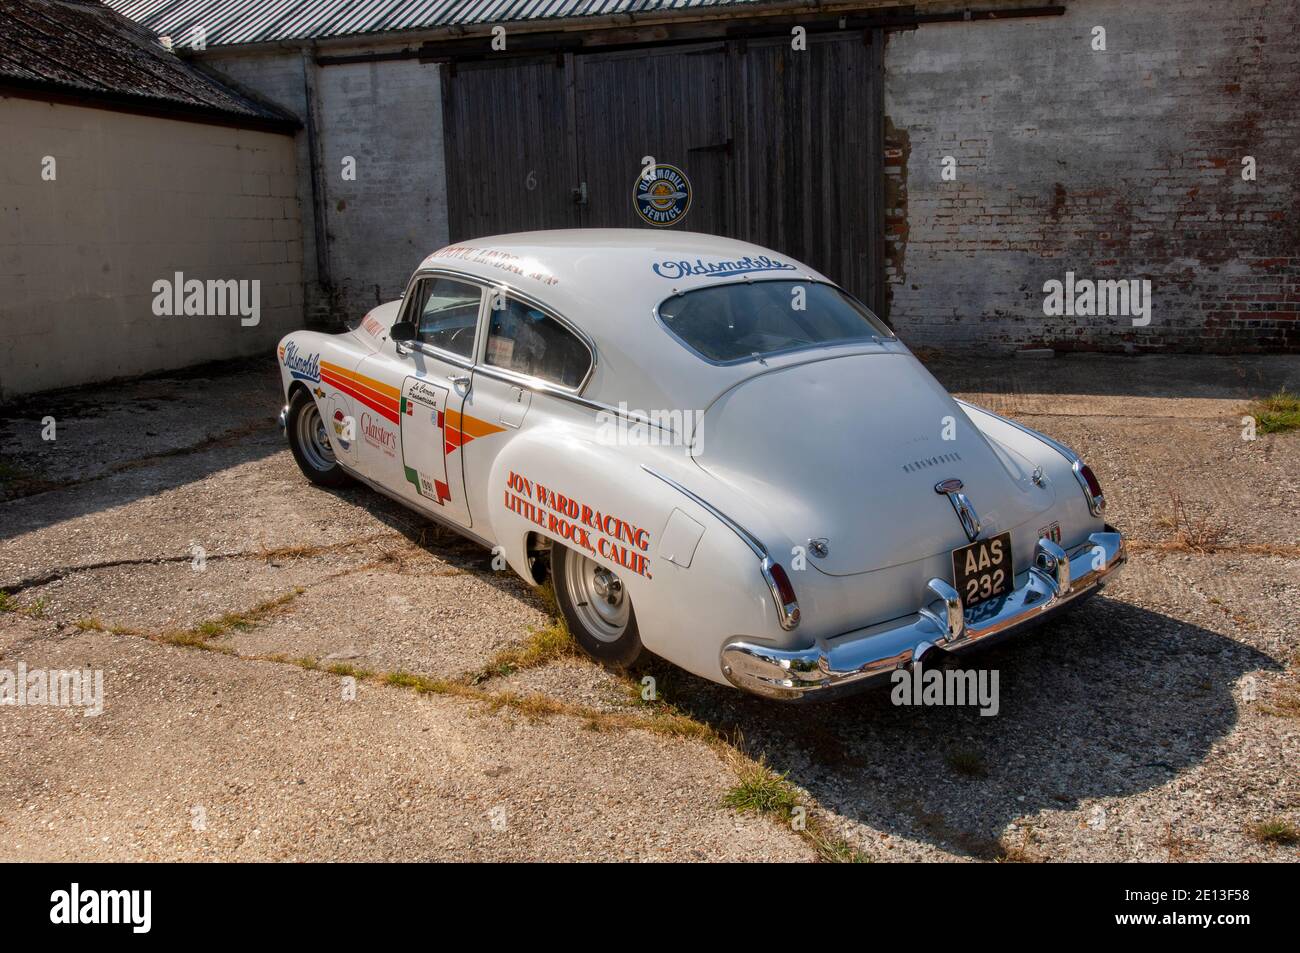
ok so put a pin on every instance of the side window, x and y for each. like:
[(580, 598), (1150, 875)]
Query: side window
[(523, 339), (445, 313)]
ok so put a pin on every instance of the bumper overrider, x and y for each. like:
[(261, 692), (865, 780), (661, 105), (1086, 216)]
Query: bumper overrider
[(866, 657)]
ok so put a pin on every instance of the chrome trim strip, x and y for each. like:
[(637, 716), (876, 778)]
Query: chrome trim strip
[(868, 656), (748, 538), (536, 385), (787, 612), (1096, 505)]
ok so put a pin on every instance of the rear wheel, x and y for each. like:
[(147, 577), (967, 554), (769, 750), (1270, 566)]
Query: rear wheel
[(596, 607), (310, 443)]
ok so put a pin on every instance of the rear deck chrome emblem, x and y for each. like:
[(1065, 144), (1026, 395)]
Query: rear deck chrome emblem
[(961, 504)]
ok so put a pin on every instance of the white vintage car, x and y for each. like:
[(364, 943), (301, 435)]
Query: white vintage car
[(717, 454)]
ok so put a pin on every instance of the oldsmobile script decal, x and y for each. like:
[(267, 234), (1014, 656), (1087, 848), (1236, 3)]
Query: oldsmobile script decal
[(718, 269)]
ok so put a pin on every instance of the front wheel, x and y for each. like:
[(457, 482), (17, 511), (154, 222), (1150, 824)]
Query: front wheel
[(311, 444), (596, 607)]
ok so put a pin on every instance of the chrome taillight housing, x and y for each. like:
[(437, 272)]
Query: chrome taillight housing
[(787, 605), (1091, 488)]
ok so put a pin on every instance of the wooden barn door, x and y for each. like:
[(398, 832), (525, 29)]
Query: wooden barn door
[(811, 157), (782, 147), (508, 149), (671, 103)]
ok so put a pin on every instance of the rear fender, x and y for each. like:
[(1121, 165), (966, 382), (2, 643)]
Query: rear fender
[(556, 482)]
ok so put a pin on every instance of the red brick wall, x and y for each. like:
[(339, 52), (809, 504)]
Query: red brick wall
[(1115, 164)]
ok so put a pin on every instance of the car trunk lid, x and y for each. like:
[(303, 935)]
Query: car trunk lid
[(849, 449)]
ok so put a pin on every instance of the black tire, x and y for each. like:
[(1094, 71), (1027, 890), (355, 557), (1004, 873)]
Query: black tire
[(316, 461), (610, 644)]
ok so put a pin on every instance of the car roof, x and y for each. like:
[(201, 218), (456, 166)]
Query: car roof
[(607, 282)]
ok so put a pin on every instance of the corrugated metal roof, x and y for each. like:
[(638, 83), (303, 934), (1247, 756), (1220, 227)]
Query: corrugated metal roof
[(82, 49), (226, 22)]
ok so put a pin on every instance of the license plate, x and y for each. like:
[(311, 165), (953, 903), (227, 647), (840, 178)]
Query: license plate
[(982, 570)]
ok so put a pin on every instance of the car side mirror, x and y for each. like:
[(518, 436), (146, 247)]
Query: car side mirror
[(402, 331)]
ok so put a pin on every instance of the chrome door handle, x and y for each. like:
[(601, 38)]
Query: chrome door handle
[(460, 380)]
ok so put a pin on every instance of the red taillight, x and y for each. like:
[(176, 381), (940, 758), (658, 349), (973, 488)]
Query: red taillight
[(783, 586), (1096, 499), (787, 605), (1093, 486)]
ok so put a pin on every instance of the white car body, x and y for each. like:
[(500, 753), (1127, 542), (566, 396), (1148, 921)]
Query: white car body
[(821, 460)]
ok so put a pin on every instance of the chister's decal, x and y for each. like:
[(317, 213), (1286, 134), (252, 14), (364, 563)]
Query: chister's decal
[(377, 435), (603, 534)]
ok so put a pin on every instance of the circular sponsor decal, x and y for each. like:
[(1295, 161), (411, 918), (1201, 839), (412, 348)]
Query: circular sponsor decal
[(339, 423), (662, 195)]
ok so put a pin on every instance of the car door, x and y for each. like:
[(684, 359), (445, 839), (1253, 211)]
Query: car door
[(411, 429), (529, 356)]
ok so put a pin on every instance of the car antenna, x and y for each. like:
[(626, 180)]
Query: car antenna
[(758, 357)]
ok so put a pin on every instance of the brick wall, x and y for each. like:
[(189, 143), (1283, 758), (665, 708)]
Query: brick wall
[(1117, 164), (135, 199)]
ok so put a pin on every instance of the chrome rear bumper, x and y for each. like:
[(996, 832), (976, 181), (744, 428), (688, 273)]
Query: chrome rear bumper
[(859, 659)]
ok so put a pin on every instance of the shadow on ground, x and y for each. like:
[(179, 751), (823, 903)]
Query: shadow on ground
[(1106, 702)]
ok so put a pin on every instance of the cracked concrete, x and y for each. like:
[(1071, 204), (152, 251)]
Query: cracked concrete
[(1148, 725)]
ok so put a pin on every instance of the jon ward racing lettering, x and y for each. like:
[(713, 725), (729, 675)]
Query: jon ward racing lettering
[(614, 539)]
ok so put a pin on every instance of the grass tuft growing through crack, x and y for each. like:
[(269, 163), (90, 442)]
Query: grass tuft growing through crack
[(1275, 830), (543, 644), (1277, 413), (760, 790)]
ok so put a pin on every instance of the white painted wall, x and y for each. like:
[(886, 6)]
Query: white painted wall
[(135, 200)]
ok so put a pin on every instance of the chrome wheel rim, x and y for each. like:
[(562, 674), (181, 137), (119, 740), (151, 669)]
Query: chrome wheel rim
[(313, 441), (597, 596)]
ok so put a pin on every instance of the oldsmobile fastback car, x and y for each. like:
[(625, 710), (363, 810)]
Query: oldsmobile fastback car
[(717, 455)]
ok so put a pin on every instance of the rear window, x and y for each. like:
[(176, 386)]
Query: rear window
[(526, 340), (736, 322)]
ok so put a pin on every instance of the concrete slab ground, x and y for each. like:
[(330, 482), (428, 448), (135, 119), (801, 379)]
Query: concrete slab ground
[(1158, 722)]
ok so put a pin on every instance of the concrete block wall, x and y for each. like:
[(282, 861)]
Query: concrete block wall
[(388, 117), (1117, 164), (136, 199)]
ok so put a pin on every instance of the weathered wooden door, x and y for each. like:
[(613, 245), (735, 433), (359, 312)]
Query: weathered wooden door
[(509, 162), (669, 104), (782, 147), (809, 183)]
